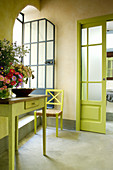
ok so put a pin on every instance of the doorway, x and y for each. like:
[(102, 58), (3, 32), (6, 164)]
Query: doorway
[(91, 74), (109, 77)]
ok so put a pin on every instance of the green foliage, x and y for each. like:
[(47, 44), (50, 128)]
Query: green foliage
[(10, 53)]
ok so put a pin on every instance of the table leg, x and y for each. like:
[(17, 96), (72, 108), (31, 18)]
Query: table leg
[(11, 127), (16, 133), (44, 131)]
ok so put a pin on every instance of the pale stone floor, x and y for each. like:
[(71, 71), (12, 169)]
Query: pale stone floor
[(70, 151)]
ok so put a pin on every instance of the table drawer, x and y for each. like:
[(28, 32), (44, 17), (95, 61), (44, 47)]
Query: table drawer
[(34, 103)]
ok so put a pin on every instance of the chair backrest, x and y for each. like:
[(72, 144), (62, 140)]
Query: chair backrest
[(57, 97)]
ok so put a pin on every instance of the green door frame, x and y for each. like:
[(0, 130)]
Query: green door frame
[(104, 18)]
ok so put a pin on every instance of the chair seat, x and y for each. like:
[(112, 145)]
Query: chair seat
[(49, 112)]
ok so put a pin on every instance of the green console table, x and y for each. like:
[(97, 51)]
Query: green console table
[(14, 107)]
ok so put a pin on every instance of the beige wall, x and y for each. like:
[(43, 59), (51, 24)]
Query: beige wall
[(9, 10), (64, 14)]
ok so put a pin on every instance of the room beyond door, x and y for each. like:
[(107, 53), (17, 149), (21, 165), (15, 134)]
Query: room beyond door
[(93, 77)]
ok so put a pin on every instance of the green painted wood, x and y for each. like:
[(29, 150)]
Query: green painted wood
[(94, 126), (44, 129), (79, 124), (16, 133), (57, 101), (93, 118), (90, 112), (11, 128), (61, 122), (35, 120), (78, 89), (12, 110), (97, 19), (56, 125)]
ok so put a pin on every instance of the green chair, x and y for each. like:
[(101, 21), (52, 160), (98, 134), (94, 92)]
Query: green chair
[(56, 100)]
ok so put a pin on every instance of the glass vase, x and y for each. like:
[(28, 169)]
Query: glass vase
[(6, 93)]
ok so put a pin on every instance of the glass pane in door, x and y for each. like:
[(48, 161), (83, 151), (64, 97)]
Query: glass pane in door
[(17, 28), (84, 63), (34, 81), (34, 32), (84, 36), (95, 63), (95, 35), (27, 33), (26, 58), (84, 91), (49, 81), (41, 58), (42, 30), (49, 31), (49, 50), (41, 77), (33, 54), (94, 91)]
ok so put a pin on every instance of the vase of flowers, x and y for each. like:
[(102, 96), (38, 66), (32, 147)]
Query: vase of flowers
[(12, 72)]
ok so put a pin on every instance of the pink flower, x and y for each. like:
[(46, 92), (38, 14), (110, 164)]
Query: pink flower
[(1, 78), (7, 81), (5, 78)]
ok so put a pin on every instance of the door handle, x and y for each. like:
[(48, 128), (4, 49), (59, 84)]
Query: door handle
[(104, 78)]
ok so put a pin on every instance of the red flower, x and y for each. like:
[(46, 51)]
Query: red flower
[(16, 73), (12, 71), (9, 75), (20, 80), (13, 83)]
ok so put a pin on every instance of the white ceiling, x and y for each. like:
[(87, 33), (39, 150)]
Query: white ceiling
[(29, 9)]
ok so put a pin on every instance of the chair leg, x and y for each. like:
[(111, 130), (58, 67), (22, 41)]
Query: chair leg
[(61, 122), (35, 122), (56, 125)]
